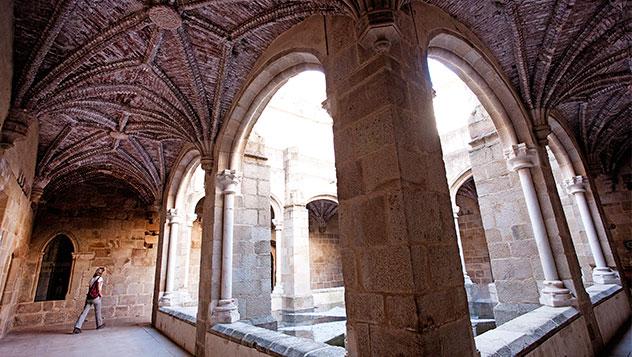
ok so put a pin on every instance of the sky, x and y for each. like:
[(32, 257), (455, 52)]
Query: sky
[(303, 94)]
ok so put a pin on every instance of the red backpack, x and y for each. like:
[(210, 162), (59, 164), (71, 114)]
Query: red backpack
[(93, 292)]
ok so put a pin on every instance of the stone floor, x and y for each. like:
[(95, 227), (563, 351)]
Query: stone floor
[(623, 346), (119, 341)]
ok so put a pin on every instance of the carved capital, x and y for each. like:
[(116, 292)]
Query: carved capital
[(15, 127), (576, 184), (322, 211), (173, 216), (519, 156), (38, 190), (377, 25), (206, 162), (278, 224), (227, 181)]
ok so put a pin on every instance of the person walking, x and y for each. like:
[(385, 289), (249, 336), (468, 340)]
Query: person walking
[(93, 298)]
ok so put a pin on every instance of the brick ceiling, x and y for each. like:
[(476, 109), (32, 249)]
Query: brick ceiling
[(120, 86)]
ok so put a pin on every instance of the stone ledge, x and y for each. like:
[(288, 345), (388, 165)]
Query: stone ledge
[(275, 343), (600, 293), (524, 332), (178, 315)]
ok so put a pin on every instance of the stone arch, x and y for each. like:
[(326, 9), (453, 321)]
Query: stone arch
[(277, 206), (572, 163), (459, 181), (325, 196), (325, 253), (485, 81), (254, 99), (55, 267)]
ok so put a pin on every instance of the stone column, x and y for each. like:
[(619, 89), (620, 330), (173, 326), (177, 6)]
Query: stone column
[(404, 289), (455, 211), (210, 256), (173, 220), (280, 254), (297, 292), (226, 310), (186, 237), (602, 274), (520, 159)]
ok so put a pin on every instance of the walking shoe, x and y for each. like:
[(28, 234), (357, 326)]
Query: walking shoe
[(101, 326), (76, 330)]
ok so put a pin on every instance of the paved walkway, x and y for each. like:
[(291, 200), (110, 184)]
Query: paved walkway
[(622, 347), (117, 341)]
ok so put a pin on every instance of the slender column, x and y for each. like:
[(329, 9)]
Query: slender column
[(173, 220), (186, 235), (520, 159), (602, 274), (174, 231), (226, 310), (280, 255), (455, 211)]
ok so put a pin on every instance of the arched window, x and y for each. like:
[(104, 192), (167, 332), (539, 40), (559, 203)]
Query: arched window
[(54, 275)]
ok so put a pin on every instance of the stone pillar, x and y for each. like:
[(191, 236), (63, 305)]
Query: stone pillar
[(520, 159), (186, 239), (277, 292), (602, 274), (297, 292), (455, 211), (404, 288), (210, 256), (173, 220), (226, 310)]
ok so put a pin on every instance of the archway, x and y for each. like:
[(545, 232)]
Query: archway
[(55, 269)]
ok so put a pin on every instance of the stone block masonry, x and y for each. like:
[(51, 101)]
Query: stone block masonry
[(113, 236)]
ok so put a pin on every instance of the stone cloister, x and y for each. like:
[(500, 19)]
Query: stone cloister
[(131, 138)]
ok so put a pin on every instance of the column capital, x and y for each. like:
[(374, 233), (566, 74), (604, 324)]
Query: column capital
[(191, 218), (377, 26), (278, 224), (206, 162), (519, 156), (173, 216), (455, 211), (16, 127), (227, 181), (576, 184)]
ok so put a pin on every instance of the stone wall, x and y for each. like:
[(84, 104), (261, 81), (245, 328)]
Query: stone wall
[(616, 198), (475, 250), (512, 249), (107, 229), (17, 167), (251, 260), (325, 261)]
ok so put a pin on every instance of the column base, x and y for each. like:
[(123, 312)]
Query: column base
[(604, 276), (226, 312), (174, 298), (555, 294)]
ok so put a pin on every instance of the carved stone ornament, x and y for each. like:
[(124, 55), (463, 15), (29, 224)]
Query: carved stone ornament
[(322, 211)]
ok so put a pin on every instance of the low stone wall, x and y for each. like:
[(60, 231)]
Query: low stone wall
[(329, 296), (611, 308), (240, 339), (545, 331), (180, 328)]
